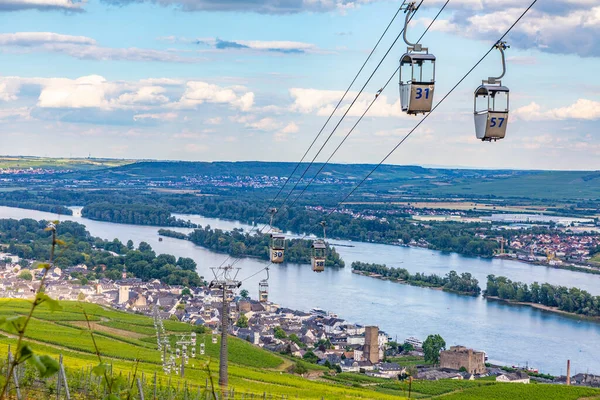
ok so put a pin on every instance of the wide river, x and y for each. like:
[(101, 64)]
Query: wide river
[(509, 334)]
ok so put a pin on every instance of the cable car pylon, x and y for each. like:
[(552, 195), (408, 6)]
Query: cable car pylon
[(491, 104), (417, 71)]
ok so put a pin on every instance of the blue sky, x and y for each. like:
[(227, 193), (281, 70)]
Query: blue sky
[(256, 80)]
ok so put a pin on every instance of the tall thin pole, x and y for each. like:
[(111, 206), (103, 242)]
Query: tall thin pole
[(223, 380)]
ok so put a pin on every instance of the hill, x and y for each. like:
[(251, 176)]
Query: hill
[(395, 180), (123, 338)]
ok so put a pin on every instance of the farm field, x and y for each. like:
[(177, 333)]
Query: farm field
[(124, 338), (17, 162), (462, 206)]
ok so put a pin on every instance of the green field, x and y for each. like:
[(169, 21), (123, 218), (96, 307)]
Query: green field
[(123, 338), (59, 163)]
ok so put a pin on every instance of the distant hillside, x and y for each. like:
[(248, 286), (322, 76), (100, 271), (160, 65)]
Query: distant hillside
[(391, 179), (18, 162)]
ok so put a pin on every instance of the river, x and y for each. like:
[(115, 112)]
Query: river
[(509, 334)]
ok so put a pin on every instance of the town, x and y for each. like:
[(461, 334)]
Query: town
[(316, 336)]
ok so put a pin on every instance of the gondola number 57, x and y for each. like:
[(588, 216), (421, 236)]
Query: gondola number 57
[(496, 121)]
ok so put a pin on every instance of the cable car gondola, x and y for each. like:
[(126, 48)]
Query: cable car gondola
[(319, 251), (277, 248), (417, 73), (492, 105), (318, 256), (263, 288), (202, 349)]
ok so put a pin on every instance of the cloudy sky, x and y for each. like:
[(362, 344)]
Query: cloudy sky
[(257, 79)]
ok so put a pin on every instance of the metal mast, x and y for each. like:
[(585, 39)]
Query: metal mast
[(228, 285)]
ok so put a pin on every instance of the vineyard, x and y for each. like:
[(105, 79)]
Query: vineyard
[(127, 342)]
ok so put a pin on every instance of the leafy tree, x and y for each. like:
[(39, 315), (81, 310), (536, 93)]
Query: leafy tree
[(279, 333), (310, 357), (432, 347), (245, 294), (300, 369), (242, 321), (186, 292), (130, 244), (25, 275)]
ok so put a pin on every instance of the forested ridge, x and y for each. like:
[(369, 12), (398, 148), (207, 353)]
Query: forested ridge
[(152, 208), (137, 214), (28, 239), (464, 283), (571, 300), (236, 243)]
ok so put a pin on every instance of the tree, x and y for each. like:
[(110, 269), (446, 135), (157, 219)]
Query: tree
[(310, 357), (186, 292), (25, 275), (279, 333), (242, 321), (300, 369), (245, 295), (130, 244), (432, 347)]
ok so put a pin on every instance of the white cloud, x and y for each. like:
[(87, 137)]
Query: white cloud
[(39, 38), (277, 46), (264, 124), (559, 26), (323, 102), (171, 116), (65, 5), (582, 109), (22, 113), (145, 95), (290, 128), (214, 121), (262, 6), (86, 92), (197, 93), (9, 88), (86, 48)]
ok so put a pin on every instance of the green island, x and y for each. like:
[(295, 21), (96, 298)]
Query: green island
[(544, 296), (239, 244), (451, 282), (127, 342), (27, 238)]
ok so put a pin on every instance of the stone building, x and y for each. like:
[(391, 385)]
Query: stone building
[(371, 347), (459, 356)]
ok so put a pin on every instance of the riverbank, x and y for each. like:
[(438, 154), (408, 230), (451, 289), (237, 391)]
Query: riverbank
[(544, 308), (421, 284), (576, 268)]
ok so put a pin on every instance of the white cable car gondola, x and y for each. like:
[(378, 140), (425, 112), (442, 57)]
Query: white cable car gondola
[(214, 337), (202, 349), (417, 73), (277, 248), (492, 105), (318, 256), (193, 338), (263, 288), (193, 352)]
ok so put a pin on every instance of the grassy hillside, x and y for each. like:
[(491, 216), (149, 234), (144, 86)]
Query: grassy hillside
[(123, 338)]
